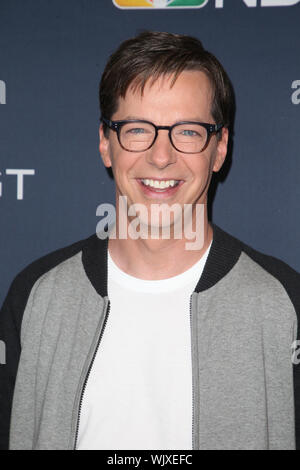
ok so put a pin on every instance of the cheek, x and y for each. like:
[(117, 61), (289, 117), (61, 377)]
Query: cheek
[(123, 164), (200, 167)]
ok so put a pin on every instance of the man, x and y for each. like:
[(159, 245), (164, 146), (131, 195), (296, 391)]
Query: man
[(145, 341)]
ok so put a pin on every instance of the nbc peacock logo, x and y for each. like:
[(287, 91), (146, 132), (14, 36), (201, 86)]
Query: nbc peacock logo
[(160, 3)]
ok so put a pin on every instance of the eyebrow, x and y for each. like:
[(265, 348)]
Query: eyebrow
[(139, 118)]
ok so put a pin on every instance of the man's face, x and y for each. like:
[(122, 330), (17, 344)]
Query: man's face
[(189, 99)]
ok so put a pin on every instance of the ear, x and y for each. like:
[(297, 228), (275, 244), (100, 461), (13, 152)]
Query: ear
[(104, 148), (221, 152)]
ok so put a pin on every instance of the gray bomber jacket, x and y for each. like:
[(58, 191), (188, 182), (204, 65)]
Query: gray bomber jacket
[(246, 388)]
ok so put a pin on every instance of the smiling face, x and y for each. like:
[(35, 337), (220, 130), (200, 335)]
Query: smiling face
[(162, 174)]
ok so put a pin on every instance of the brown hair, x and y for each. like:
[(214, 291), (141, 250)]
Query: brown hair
[(153, 54)]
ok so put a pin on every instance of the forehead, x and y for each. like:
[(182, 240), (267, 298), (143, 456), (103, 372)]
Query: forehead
[(187, 97)]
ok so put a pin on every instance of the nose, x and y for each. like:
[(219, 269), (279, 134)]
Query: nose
[(162, 153)]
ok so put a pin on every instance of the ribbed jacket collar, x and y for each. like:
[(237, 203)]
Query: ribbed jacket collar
[(224, 253)]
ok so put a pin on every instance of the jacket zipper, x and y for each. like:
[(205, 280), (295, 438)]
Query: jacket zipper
[(88, 373), (93, 360), (192, 373)]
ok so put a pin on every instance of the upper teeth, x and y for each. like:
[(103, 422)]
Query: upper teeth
[(159, 184)]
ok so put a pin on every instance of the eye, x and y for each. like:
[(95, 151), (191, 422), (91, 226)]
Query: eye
[(189, 133), (137, 131), (183, 133)]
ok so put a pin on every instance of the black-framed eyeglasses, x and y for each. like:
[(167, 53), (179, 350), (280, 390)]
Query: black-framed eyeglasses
[(185, 136)]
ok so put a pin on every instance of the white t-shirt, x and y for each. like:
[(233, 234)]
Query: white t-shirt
[(139, 392)]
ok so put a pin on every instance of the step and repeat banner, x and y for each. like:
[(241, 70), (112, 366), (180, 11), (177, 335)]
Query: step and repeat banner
[(52, 180)]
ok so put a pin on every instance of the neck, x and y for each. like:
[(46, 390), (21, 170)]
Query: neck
[(154, 259)]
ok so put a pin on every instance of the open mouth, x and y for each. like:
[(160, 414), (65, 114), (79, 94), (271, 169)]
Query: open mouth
[(160, 184), (159, 188)]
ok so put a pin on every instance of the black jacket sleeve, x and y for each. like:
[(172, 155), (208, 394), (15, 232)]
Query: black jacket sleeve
[(10, 323)]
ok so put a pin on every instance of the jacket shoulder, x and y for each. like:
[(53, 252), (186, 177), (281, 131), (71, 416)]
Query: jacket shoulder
[(285, 274), (24, 281), (225, 253)]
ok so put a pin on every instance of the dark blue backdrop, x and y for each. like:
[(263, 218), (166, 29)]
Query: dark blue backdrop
[(52, 53)]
